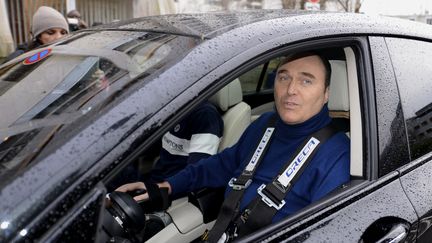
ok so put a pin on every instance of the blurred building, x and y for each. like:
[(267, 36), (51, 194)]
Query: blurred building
[(420, 126), (17, 14), (6, 40), (20, 12), (143, 8), (193, 6), (196, 6)]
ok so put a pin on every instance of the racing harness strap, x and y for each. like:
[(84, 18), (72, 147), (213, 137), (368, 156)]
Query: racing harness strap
[(270, 197), (261, 210), (231, 204)]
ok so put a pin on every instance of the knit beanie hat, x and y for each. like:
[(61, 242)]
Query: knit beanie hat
[(47, 18)]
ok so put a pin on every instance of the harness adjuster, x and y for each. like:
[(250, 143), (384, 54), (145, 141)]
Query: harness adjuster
[(235, 186), (269, 201)]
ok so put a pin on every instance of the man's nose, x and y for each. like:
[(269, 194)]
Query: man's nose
[(292, 87)]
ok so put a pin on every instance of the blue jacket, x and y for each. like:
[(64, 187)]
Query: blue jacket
[(195, 137), (326, 171)]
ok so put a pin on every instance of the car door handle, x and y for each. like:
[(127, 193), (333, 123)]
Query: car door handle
[(398, 233)]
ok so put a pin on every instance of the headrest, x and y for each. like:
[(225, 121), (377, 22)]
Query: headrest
[(338, 97), (228, 96)]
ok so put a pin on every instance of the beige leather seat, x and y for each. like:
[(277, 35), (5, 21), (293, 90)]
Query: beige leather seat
[(338, 103), (237, 114)]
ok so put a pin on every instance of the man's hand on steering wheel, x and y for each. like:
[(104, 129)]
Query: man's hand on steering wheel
[(153, 197)]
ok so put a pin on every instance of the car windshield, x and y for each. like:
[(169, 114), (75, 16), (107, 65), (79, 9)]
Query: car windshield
[(47, 89)]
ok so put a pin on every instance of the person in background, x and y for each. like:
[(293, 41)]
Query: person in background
[(96, 24), (48, 26), (195, 137), (75, 21)]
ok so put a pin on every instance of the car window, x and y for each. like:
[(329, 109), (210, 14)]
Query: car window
[(260, 78), (52, 87), (344, 102), (413, 70)]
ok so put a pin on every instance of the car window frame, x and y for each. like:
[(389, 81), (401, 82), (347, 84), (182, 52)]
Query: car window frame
[(260, 79), (388, 104), (324, 204), (360, 46), (404, 95)]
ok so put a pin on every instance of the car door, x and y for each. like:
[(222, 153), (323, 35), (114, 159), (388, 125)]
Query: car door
[(413, 70), (373, 206)]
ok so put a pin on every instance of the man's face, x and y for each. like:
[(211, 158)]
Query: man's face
[(300, 91)]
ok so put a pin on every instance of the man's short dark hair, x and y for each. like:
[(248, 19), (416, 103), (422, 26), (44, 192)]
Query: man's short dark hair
[(324, 60)]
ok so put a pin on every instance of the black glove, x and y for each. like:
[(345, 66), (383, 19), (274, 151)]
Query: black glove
[(158, 198)]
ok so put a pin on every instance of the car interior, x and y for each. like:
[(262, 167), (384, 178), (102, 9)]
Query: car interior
[(190, 216), (236, 113)]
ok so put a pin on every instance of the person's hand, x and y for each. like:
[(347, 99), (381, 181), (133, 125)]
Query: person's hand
[(141, 186), (130, 187)]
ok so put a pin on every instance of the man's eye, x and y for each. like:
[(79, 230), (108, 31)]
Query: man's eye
[(307, 81), (283, 77)]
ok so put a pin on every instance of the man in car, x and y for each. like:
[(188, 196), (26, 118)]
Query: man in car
[(195, 137), (282, 182)]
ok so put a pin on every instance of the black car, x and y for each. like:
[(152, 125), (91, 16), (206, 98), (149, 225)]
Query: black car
[(76, 113)]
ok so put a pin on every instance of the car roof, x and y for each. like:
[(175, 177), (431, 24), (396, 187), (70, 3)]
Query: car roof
[(210, 25), (238, 32), (201, 25)]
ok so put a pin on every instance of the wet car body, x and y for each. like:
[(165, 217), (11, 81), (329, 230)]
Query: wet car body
[(57, 192)]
